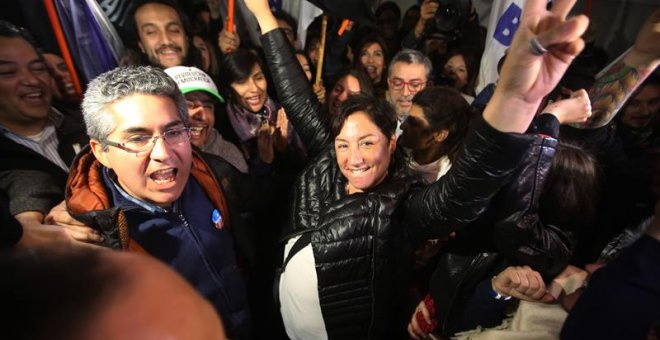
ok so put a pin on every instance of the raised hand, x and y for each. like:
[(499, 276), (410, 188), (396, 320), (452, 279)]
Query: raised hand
[(261, 11), (281, 136), (228, 41), (426, 13), (265, 142), (528, 73)]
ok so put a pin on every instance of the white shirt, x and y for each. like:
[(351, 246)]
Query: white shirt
[(299, 296), (432, 171)]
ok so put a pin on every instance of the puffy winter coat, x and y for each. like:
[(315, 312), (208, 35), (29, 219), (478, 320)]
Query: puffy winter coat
[(359, 241)]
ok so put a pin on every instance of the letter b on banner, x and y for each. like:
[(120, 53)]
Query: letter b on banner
[(507, 25)]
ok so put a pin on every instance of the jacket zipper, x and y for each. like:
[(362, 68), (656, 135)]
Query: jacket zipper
[(217, 277)]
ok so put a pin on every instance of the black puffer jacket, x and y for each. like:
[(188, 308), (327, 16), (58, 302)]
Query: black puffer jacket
[(358, 240), (509, 233)]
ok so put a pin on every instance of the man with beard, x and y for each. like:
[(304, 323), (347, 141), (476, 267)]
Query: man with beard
[(160, 31)]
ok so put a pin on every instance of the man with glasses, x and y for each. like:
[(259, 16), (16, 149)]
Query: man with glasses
[(201, 95), (408, 74), (144, 188)]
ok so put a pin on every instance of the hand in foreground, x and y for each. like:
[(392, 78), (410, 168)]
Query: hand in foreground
[(39, 234), (522, 283), (576, 109), (60, 216), (544, 46)]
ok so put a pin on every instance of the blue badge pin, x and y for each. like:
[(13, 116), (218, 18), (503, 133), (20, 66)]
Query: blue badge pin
[(216, 218)]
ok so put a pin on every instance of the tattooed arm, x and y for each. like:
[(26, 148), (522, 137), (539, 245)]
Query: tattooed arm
[(615, 85)]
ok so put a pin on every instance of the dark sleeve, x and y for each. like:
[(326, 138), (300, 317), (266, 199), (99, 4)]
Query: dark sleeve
[(547, 124), (295, 93), (483, 309), (622, 300), (30, 190), (485, 163), (10, 230), (519, 233)]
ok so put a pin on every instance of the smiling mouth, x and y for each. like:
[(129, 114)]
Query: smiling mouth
[(34, 97), (197, 131), (358, 171), (169, 50), (164, 176), (255, 100)]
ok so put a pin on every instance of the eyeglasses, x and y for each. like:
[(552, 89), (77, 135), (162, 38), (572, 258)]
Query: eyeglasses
[(138, 144), (195, 103), (413, 85)]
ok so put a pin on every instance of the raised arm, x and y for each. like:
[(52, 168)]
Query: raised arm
[(529, 74), (489, 157), (294, 91), (620, 79)]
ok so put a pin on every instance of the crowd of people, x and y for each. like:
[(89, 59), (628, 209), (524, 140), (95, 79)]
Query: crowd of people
[(242, 198)]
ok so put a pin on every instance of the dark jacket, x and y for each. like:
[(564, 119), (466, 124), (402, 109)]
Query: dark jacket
[(359, 240), (510, 232), (18, 165), (90, 200)]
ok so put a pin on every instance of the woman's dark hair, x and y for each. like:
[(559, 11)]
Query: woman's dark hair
[(379, 111), (472, 66), (237, 66), (289, 19), (9, 30), (445, 109), (369, 39), (214, 65), (366, 87), (567, 199)]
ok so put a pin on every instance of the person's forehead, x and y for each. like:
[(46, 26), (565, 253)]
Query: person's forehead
[(351, 83), (201, 95), (156, 13), (647, 92), (359, 124), (406, 71), (372, 45), (456, 60), (149, 112), (16, 49)]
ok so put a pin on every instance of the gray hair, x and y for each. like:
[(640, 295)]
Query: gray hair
[(115, 85), (410, 56)]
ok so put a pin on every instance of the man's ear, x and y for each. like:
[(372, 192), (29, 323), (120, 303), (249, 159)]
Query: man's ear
[(440, 136), (141, 47), (100, 153)]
